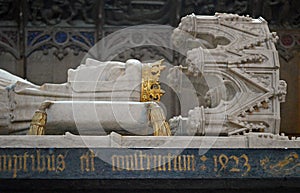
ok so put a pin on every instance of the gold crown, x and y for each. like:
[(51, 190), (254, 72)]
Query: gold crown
[(150, 89)]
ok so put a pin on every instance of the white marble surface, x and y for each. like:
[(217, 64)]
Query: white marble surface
[(98, 117), (115, 140)]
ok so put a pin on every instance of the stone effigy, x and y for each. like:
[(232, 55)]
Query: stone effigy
[(235, 54), (112, 89), (231, 137)]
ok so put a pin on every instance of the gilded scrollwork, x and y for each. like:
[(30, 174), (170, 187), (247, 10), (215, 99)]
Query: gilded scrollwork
[(288, 165), (150, 86)]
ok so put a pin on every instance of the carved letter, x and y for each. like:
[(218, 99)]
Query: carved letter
[(61, 165), (25, 156), (51, 163), (17, 165), (39, 160)]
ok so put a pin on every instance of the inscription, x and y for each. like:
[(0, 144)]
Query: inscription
[(232, 163), (141, 163), (87, 162), (36, 162)]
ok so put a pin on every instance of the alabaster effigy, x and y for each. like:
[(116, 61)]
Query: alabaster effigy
[(236, 56), (111, 89), (106, 122)]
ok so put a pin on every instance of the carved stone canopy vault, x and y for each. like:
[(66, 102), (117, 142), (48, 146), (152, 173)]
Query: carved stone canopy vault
[(237, 57)]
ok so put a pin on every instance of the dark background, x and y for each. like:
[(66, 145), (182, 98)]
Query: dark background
[(41, 39)]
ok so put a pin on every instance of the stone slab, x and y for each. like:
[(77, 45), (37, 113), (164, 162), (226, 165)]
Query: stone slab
[(250, 140)]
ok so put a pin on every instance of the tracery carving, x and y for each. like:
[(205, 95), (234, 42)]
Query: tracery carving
[(61, 12), (237, 93), (119, 12)]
